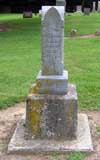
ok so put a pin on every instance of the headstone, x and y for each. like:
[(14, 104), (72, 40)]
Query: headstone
[(61, 3), (87, 11), (52, 43), (27, 14), (59, 112), (94, 7), (98, 6), (79, 9), (52, 123)]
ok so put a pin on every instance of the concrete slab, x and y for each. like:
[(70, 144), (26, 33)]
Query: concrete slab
[(19, 144)]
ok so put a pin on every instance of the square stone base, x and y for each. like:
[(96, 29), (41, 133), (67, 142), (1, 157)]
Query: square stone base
[(52, 116), (19, 144)]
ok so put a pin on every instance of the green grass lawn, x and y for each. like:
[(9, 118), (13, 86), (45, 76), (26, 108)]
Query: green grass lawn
[(20, 58), (83, 24), (71, 156)]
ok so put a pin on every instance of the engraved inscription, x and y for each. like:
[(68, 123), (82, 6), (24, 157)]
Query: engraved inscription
[(52, 51)]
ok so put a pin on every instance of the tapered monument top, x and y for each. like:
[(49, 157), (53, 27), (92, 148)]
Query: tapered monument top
[(52, 40), (59, 9)]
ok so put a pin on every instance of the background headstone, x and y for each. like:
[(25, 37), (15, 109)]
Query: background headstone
[(27, 14), (98, 6), (94, 7), (86, 11), (61, 3), (79, 9)]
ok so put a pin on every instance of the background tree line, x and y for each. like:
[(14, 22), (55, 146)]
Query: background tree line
[(35, 5)]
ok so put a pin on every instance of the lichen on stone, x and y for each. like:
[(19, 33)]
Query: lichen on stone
[(34, 114)]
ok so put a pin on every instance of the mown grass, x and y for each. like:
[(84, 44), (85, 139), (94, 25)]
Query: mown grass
[(98, 130), (83, 24), (76, 156), (20, 58), (70, 156)]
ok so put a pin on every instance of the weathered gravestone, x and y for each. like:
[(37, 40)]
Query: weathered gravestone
[(98, 6), (52, 81), (79, 9), (87, 11), (94, 7), (27, 14), (52, 122), (61, 3)]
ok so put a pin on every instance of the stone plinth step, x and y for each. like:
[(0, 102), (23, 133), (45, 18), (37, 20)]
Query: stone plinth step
[(19, 144)]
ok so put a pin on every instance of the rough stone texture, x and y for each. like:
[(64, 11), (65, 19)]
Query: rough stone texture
[(98, 6), (83, 143), (51, 84), (86, 11), (34, 107), (53, 116), (27, 14), (52, 41)]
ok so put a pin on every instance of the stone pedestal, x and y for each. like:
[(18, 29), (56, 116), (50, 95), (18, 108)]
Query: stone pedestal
[(53, 116)]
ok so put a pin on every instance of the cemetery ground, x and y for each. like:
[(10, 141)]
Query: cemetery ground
[(20, 61)]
